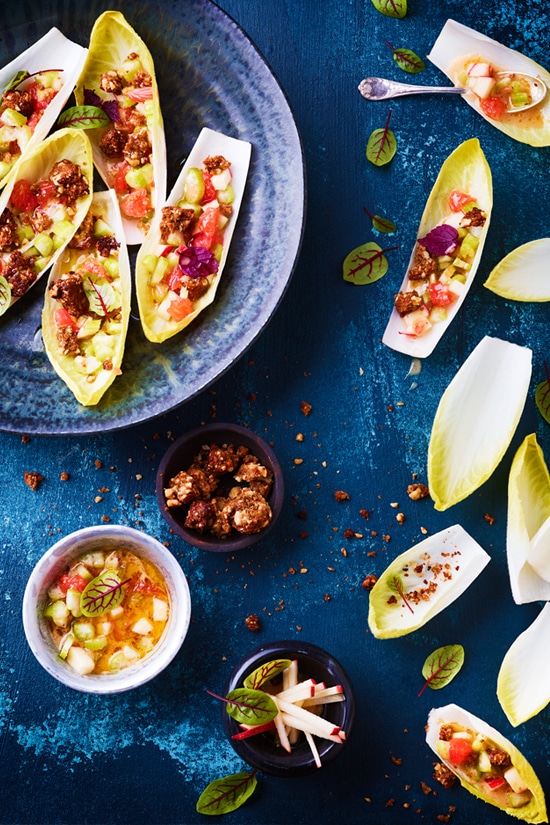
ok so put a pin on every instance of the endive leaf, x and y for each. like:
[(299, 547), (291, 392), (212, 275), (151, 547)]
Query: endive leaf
[(534, 809), (467, 171), (456, 43), (476, 419), (528, 512), (52, 51), (89, 389), (523, 686), (450, 559), (112, 40), (209, 143), (523, 274)]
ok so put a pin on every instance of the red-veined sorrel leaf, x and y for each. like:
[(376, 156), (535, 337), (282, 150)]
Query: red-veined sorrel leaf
[(83, 117), (101, 297), (225, 795), (251, 707), (395, 584), (381, 224), (542, 394), (366, 264), (265, 672), (441, 666), (102, 594), (407, 60), (5, 295), (391, 8), (382, 145)]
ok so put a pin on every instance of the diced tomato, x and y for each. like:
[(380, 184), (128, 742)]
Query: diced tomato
[(460, 750), (93, 266), (493, 107), (495, 782), (41, 98), (441, 295), (207, 227), (63, 319), (137, 204), (74, 582), (44, 192), (140, 94), (120, 185), (458, 200), (22, 196), (179, 308), (166, 251), (33, 120), (209, 191), (174, 279)]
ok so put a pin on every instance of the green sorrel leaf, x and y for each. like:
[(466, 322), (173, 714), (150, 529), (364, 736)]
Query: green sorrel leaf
[(84, 117), (395, 584), (265, 672), (391, 8), (407, 60), (542, 394), (225, 795), (379, 223), (366, 263), (251, 707), (441, 666), (102, 594), (5, 295), (16, 80), (381, 145)]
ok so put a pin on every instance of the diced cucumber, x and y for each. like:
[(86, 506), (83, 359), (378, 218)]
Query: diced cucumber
[(58, 612), (11, 117), (226, 195), (63, 229), (149, 262), (41, 263), (161, 268), (66, 643), (111, 266), (130, 67), (484, 762), (4, 168), (87, 364), (89, 328), (25, 232), (98, 643), (84, 631), (48, 79), (518, 800), (193, 188), (101, 228), (73, 602), (112, 328), (104, 346), (197, 209), (44, 244), (145, 645), (140, 177), (460, 264)]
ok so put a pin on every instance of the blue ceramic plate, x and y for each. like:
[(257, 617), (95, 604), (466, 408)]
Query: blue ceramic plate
[(209, 74)]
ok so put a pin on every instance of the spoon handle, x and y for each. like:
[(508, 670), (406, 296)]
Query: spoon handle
[(376, 88)]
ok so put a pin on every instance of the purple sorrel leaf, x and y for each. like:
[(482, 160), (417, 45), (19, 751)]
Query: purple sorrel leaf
[(443, 240)]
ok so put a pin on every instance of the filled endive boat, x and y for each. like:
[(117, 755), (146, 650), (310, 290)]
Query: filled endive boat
[(423, 581), (485, 762), (87, 304), (446, 255), (476, 419), (130, 152), (41, 208), (180, 263), (34, 88), (459, 48)]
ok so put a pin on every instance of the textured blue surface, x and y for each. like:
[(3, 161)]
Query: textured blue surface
[(145, 757)]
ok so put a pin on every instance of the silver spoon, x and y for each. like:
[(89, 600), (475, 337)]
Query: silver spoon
[(378, 88)]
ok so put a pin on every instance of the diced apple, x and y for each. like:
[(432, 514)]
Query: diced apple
[(514, 780), (484, 86), (143, 627), (80, 660), (160, 610), (480, 70)]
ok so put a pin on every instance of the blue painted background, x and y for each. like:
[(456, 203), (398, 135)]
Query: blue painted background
[(145, 756)]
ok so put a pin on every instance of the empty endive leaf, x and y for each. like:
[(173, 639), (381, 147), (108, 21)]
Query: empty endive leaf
[(476, 419), (423, 581), (88, 356), (166, 306), (465, 175), (519, 795), (528, 515), (523, 274), (523, 684), (456, 43)]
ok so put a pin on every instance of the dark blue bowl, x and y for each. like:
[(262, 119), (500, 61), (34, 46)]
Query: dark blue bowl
[(262, 751)]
